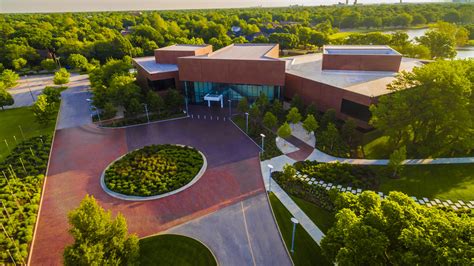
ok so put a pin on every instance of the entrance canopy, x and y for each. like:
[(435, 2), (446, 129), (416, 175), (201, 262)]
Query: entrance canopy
[(215, 98)]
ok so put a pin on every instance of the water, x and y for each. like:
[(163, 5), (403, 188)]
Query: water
[(462, 52)]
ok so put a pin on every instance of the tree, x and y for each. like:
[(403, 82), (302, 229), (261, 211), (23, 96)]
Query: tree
[(262, 101), (133, 107), (396, 231), (435, 104), (403, 20), (330, 136), (43, 110), (122, 90), (312, 110), (61, 76), (286, 40), (98, 238), (293, 116), (155, 102), (6, 98), (310, 124), (348, 131), (19, 63), (297, 102), (396, 160), (53, 94), (9, 78), (48, 64), (77, 61), (441, 45), (243, 105), (270, 120), (277, 109), (329, 117), (174, 101), (284, 131)]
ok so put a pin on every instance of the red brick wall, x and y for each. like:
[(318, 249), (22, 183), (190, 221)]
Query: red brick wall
[(362, 62)]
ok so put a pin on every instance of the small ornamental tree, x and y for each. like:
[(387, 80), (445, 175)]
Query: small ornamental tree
[(293, 116), (243, 105), (289, 172), (61, 77), (312, 110), (48, 64), (270, 120), (19, 63), (396, 160), (43, 110), (6, 98), (277, 109), (98, 238), (77, 61), (348, 131), (134, 107), (155, 102), (53, 94), (9, 78), (284, 131), (262, 101), (173, 101), (310, 124), (328, 118), (330, 136), (297, 102)]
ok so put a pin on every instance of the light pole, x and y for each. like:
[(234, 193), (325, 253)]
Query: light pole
[(270, 169), (230, 107), (146, 111), (29, 89), (295, 222), (263, 142), (247, 123), (186, 103)]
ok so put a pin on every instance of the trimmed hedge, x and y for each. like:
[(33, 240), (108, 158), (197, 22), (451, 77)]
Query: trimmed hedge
[(153, 170)]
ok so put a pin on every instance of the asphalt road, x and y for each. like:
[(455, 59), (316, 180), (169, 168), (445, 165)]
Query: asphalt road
[(74, 107)]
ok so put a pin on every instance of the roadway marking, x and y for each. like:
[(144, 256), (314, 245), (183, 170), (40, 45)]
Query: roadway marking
[(247, 232)]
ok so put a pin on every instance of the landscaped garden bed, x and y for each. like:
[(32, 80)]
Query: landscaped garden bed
[(154, 170)]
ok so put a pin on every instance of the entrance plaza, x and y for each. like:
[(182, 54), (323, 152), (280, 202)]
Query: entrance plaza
[(80, 154)]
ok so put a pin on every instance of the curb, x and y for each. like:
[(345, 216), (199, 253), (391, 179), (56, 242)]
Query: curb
[(141, 124), (245, 134), (154, 197)]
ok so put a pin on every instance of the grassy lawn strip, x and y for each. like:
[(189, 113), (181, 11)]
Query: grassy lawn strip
[(174, 250), (307, 252), (322, 218), (453, 182), (11, 119)]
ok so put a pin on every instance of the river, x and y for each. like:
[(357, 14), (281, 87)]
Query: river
[(462, 52)]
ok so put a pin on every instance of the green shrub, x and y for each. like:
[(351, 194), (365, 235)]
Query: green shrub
[(153, 170)]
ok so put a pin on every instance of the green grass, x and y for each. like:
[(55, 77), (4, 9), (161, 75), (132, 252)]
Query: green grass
[(452, 181), (307, 252), (322, 218), (11, 119), (174, 250)]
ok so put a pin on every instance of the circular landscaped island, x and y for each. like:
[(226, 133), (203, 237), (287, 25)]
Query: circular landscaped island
[(153, 172)]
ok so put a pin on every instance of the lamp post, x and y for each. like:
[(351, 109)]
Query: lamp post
[(146, 111), (230, 107), (186, 104), (29, 89), (263, 142), (295, 222), (247, 123), (270, 169)]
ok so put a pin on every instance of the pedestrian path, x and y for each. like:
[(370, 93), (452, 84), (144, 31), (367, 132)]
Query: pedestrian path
[(278, 163), (320, 156)]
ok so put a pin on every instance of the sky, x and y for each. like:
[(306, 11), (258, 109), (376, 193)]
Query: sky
[(44, 6)]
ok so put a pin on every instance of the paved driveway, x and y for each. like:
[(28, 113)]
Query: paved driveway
[(74, 107), (80, 154)]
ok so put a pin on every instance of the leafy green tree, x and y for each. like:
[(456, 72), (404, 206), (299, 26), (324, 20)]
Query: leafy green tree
[(6, 98), (48, 64), (277, 109), (77, 61), (19, 63), (243, 105), (174, 100), (293, 115), (289, 172), (329, 117), (43, 110), (133, 107), (9, 78), (297, 102), (270, 120), (396, 160), (155, 102), (404, 20), (53, 94), (418, 19), (98, 238), (61, 76), (348, 131), (262, 101), (286, 40), (122, 90), (396, 231), (310, 124), (441, 45), (109, 111), (255, 114), (330, 136), (437, 110), (312, 110), (284, 131)]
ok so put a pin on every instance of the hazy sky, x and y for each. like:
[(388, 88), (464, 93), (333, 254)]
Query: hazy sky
[(27, 6)]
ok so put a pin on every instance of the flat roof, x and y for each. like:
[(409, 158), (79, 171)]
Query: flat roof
[(149, 65), (254, 51), (368, 83), (359, 50), (183, 47)]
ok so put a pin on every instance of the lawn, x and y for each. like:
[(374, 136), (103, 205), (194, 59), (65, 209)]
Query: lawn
[(11, 120), (174, 250), (321, 217), (307, 252), (453, 182)]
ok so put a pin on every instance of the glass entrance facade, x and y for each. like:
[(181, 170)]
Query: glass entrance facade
[(195, 91)]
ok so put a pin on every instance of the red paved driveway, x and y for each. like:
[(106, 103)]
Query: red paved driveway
[(80, 155)]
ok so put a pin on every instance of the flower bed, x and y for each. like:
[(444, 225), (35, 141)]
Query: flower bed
[(153, 170)]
